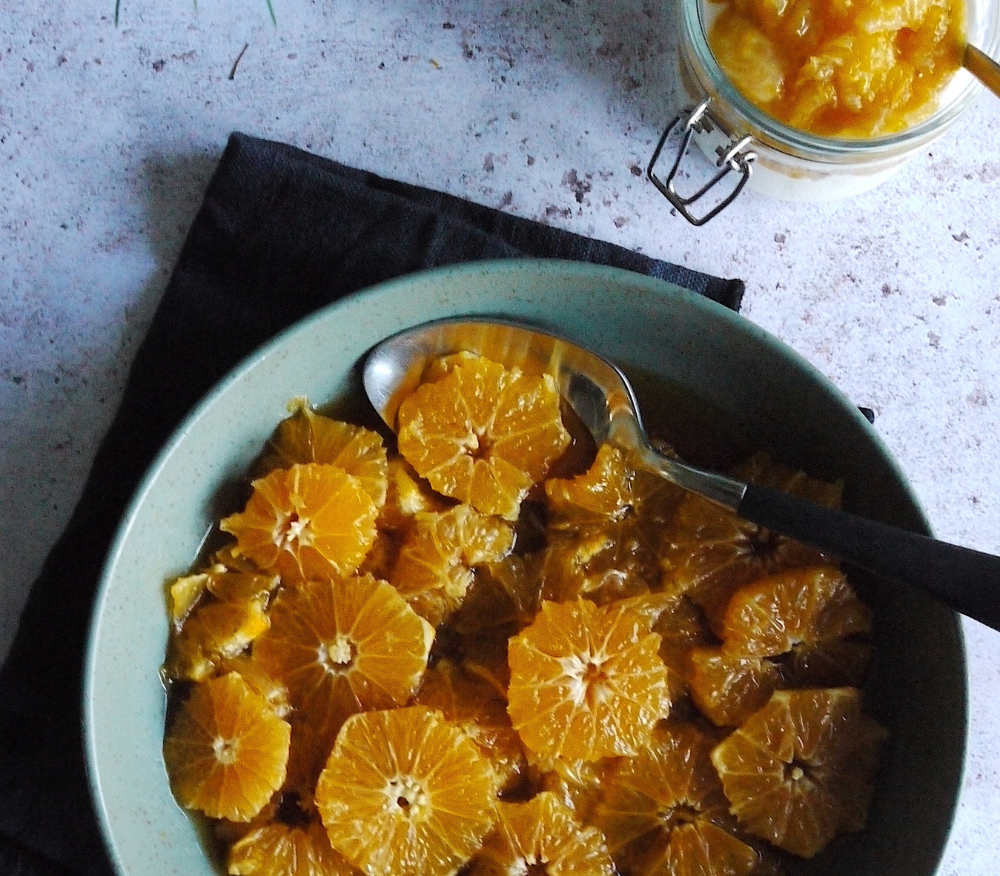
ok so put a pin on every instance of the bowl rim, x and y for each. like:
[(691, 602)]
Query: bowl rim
[(512, 268)]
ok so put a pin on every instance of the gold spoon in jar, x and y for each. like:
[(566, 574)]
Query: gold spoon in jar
[(983, 67), (600, 394)]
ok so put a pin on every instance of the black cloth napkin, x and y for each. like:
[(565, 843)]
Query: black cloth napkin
[(280, 233)]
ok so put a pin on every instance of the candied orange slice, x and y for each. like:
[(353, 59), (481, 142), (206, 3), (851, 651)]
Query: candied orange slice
[(344, 645), (437, 556), (226, 750), (801, 770), (542, 836), (711, 552), (483, 434), (406, 792), (279, 849), (306, 436), (306, 521), (470, 702), (586, 682), (664, 812)]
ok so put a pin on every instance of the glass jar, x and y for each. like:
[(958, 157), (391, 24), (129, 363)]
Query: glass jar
[(750, 148)]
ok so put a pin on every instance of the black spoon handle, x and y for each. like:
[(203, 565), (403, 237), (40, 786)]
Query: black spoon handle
[(966, 580)]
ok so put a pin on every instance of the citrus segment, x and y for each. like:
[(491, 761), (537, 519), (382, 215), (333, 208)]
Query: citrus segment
[(226, 750), (223, 613), (729, 687), (404, 792), (807, 614), (586, 682), (437, 556), (801, 770), (664, 812), (542, 837), (712, 552), (471, 703), (482, 433), (279, 849), (307, 521), (306, 437), (345, 645), (605, 528)]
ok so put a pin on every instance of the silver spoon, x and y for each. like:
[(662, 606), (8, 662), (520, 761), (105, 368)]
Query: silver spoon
[(966, 580)]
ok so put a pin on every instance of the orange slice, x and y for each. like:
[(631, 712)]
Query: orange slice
[(605, 528), (437, 556), (406, 792), (483, 434), (408, 494), (306, 437), (586, 682), (226, 750), (542, 836), (793, 629), (801, 770), (223, 613), (343, 646), (729, 687), (471, 703), (306, 521), (279, 849), (664, 812), (811, 617)]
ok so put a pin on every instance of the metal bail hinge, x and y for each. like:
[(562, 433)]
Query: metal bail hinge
[(734, 156)]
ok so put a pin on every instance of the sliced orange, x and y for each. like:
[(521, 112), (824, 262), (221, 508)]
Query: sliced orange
[(483, 434), (226, 750), (712, 552), (407, 793), (408, 494), (586, 682), (605, 528), (728, 687), (602, 561), (229, 611), (664, 812), (801, 770), (437, 556), (575, 783), (810, 616), (542, 836), (306, 436), (604, 490), (279, 849), (470, 702), (308, 521), (344, 645), (505, 594)]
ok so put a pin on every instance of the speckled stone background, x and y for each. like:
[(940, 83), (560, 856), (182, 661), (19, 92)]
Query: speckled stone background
[(548, 109)]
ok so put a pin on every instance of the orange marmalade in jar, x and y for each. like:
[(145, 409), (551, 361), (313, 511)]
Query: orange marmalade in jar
[(849, 68), (813, 100)]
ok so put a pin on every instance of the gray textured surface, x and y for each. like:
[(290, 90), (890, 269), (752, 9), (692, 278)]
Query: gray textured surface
[(549, 110)]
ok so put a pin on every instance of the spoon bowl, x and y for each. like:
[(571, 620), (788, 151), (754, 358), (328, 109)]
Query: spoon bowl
[(600, 394)]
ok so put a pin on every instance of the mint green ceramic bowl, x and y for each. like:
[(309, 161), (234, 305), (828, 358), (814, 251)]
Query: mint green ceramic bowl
[(742, 382)]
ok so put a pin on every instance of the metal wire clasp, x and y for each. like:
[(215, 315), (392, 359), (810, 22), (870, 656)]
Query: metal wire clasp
[(734, 156)]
